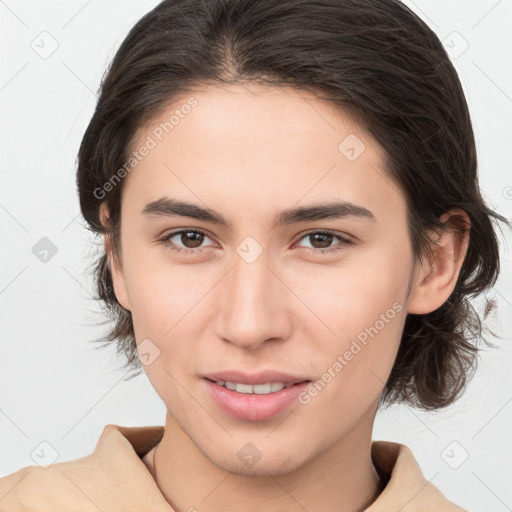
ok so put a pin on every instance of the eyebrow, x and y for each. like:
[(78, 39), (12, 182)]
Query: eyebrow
[(168, 207)]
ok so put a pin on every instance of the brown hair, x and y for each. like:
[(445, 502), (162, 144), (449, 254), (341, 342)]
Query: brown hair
[(374, 58)]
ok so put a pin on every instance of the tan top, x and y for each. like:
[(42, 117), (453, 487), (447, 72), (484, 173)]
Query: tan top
[(113, 478)]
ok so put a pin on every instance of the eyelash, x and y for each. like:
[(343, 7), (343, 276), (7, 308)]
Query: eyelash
[(344, 241)]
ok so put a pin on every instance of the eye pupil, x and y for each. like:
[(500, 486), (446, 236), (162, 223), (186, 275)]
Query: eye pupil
[(193, 237), (324, 238)]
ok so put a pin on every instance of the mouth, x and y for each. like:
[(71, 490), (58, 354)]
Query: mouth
[(256, 389), (256, 397)]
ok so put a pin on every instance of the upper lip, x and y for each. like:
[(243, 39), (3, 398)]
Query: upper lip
[(254, 378)]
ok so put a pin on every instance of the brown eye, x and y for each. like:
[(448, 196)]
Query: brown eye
[(321, 240), (191, 239), (187, 241)]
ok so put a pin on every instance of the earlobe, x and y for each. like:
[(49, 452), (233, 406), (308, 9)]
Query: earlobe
[(116, 270), (435, 280)]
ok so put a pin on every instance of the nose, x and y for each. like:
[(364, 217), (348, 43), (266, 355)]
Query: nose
[(253, 304)]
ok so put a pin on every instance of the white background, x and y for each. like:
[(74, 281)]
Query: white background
[(55, 387)]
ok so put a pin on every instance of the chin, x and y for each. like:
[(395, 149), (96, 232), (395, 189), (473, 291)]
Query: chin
[(273, 464)]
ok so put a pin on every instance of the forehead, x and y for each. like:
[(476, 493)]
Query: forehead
[(256, 146), (269, 116)]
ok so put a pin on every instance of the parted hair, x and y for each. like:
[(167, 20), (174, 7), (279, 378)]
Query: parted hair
[(376, 60)]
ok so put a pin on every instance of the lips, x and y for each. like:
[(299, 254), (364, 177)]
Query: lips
[(261, 377), (253, 407)]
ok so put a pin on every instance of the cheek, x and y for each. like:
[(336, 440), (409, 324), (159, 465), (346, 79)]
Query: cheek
[(367, 288), (166, 303), (365, 334), (168, 308), (363, 305), (159, 291), (172, 307), (354, 365)]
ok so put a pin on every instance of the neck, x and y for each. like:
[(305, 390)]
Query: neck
[(341, 478)]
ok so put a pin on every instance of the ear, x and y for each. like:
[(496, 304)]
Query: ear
[(435, 280), (115, 265)]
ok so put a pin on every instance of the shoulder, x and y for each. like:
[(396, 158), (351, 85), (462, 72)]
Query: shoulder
[(112, 477), (406, 487), (33, 488)]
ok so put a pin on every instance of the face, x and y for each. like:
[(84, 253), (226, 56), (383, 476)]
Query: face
[(282, 285)]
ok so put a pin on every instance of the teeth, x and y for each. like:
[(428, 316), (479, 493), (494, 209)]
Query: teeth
[(256, 389), (264, 389), (230, 385)]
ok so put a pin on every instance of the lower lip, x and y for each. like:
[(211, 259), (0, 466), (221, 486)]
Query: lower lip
[(252, 407)]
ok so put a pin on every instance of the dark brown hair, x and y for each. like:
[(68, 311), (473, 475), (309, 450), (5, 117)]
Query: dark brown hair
[(373, 58)]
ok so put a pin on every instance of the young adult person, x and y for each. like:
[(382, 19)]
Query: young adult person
[(288, 197)]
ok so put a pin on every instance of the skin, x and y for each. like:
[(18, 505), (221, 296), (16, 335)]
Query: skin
[(250, 152)]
